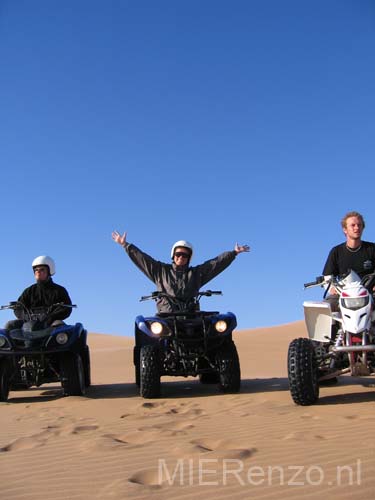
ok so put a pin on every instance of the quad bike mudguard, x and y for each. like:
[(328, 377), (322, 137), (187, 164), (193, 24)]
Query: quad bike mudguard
[(318, 319)]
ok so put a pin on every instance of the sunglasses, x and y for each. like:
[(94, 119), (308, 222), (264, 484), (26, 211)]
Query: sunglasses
[(40, 270), (182, 254)]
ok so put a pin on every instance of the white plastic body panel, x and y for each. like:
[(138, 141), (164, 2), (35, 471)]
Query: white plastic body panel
[(318, 319)]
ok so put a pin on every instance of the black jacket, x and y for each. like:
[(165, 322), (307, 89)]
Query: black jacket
[(183, 282), (45, 294)]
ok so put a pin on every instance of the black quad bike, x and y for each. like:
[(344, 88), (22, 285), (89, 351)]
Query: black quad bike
[(186, 342), (37, 354)]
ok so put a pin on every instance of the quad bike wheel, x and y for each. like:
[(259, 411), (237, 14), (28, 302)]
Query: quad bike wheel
[(137, 374), (4, 381), (303, 372), (229, 368), (149, 372), (137, 366), (86, 365), (73, 374)]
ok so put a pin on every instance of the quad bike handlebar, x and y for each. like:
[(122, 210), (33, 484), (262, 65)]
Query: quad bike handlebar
[(318, 281), (368, 281), (16, 305), (156, 295), (37, 312), (182, 305)]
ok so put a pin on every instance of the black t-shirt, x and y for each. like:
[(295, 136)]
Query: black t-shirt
[(341, 260)]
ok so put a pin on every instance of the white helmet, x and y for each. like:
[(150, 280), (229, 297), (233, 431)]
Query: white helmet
[(182, 244), (44, 260)]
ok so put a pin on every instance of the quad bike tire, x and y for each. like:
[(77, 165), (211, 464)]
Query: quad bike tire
[(303, 372), (73, 374), (137, 374), (229, 368), (149, 372), (86, 365), (4, 381), (137, 366)]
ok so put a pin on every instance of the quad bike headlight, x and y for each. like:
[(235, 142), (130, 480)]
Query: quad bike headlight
[(355, 303), (156, 327), (3, 341), (62, 338), (221, 326)]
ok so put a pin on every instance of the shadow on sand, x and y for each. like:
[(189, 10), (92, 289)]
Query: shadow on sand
[(192, 388)]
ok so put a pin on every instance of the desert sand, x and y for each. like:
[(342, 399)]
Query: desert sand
[(193, 441)]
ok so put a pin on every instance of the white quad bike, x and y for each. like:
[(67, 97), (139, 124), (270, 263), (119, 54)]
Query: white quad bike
[(339, 342)]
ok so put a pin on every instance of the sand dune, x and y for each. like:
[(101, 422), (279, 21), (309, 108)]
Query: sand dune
[(193, 441)]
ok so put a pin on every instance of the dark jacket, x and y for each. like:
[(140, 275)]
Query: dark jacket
[(183, 282), (45, 294)]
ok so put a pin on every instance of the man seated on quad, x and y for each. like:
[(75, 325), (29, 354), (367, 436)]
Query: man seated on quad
[(354, 254), (178, 279), (43, 294)]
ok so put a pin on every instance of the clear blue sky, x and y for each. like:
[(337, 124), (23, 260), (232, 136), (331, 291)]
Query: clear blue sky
[(212, 121)]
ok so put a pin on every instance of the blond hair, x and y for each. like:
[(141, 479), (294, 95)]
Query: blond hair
[(351, 214)]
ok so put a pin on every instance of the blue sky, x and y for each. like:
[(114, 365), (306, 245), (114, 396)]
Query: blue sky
[(212, 121)]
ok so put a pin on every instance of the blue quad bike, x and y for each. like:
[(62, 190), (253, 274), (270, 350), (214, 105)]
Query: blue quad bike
[(186, 342), (37, 354)]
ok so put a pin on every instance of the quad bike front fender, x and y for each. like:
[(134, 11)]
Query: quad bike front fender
[(318, 319)]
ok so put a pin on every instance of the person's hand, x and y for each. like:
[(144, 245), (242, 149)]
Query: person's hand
[(117, 238), (241, 248)]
